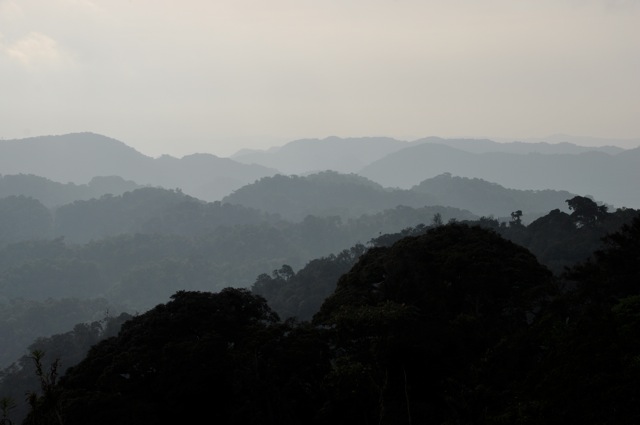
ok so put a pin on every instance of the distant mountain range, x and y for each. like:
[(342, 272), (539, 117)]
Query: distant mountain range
[(558, 139), (608, 178), (80, 157), (312, 155), (606, 173), (520, 147)]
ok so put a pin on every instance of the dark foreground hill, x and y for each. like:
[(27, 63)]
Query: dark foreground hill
[(455, 326)]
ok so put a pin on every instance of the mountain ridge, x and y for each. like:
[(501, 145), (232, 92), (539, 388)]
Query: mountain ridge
[(79, 157), (601, 172), (603, 176)]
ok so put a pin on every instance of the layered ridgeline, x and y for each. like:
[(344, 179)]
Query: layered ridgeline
[(603, 172), (326, 193), (297, 264), (602, 175), (55, 194), (346, 197), (351, 154), (145, 210), (435, 322), (134, 250), (153, 210), (453, 325), (350, 195), (79, 157), (344, 155)]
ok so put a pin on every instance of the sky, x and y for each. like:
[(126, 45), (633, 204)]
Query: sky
[(217, 76)]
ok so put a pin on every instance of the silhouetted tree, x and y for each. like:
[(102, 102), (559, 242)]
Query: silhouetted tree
[(45, 407), (6, 405), (516, 218), (586, 212)]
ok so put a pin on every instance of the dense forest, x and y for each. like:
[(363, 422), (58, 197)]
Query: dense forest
[(453, 325), (322, 298), (464, 321)]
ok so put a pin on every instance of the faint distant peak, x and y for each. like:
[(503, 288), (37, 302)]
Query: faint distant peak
[(578, 144), (336, 141), (201, 156), (249, 152), (81, 141), (464, 144), (246, 151), (344, 155), (556, 144)]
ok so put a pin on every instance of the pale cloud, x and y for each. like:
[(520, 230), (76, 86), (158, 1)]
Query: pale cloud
[(35, 50), (10, 9)]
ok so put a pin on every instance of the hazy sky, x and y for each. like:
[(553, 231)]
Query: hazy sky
[(215, 76)]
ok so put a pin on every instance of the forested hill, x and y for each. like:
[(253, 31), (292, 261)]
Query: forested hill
[(491, 199), (322, 298), (107, 207), (140, 271), (324, 194), (152, 210), (55, 194), (349, 195), (559, 240), (457, 325), (145, 210)]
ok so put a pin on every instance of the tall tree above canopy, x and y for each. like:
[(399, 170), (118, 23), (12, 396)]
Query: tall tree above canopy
[(586, 212)]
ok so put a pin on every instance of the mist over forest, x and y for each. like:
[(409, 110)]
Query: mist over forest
[(325, 281)]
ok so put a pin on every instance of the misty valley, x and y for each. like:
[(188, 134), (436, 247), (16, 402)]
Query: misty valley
[(327, 281)]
